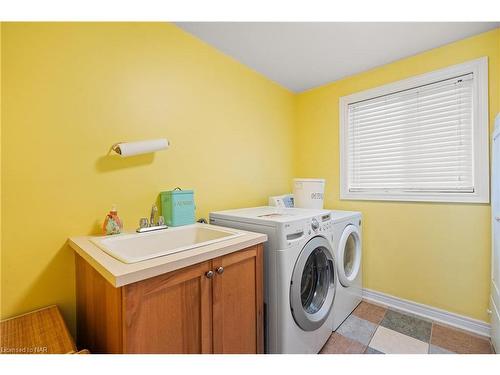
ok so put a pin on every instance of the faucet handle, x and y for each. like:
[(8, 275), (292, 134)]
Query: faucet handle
[(154, 211), (143, 222), (161, 220)]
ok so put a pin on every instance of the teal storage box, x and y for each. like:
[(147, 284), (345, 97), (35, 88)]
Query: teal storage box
[(177, 207)]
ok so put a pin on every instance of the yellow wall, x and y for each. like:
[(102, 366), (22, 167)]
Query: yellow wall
[(72, 90), (432, 253)]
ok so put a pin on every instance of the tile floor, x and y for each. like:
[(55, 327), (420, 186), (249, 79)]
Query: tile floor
[(373, 329)]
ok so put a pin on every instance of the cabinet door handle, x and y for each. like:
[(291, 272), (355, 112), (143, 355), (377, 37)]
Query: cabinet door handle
[(220, 270), (209, 274)]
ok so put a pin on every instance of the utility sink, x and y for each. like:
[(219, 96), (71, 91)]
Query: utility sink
[(131, 248)]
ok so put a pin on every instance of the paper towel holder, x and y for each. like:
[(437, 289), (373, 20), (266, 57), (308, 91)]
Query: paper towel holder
[(125, 149), (116, 148)]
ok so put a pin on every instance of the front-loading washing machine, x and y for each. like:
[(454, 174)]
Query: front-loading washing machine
[(348, 252), (299, 271)]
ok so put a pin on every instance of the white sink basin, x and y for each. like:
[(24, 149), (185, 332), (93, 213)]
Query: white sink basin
[(131, 248)]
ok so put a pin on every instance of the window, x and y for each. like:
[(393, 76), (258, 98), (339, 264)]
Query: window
[(421, 139)]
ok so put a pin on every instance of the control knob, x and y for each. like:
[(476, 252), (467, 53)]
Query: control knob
[(314, 225)]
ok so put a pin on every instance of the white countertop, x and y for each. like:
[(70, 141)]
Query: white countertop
[(120, 274)]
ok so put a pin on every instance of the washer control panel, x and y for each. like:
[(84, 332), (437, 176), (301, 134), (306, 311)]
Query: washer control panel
[(302, 230), (314, 224), (326, 226), (321, 224)]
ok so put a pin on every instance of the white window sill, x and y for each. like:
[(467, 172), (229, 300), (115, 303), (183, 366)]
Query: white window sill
[(407, 197)]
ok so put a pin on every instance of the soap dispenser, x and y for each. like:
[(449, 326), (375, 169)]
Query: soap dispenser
[(112, 223)]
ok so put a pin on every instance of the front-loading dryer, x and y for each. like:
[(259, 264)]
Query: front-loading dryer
[(299, 270), (348, 253)]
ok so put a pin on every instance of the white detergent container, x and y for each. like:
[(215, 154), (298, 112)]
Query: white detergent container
[(308, 192)]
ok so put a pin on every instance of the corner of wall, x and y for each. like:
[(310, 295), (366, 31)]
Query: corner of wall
[(295, 134)]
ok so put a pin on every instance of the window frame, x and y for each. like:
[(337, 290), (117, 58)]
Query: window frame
[(481, 194)]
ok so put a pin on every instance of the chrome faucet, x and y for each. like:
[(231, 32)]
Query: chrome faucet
[(154, 211), (145, 226)]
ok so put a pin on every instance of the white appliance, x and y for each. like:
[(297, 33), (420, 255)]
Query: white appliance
[(347, 247), (495, 230), (300, 273), (285, 200)]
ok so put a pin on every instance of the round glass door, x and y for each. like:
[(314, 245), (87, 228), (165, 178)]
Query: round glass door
[(315, 281), (313, 284), (349, 255)]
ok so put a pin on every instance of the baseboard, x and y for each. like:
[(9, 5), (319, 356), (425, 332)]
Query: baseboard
[(468, 324)]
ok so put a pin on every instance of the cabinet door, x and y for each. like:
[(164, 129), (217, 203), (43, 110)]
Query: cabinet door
[(238, 302), (171, 313)]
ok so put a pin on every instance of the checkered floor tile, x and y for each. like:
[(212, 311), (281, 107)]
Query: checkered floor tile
[(373, 329)]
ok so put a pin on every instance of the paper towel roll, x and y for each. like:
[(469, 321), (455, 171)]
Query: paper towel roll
[(141, 147)]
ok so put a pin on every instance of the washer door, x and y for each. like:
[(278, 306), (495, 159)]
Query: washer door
[(313, 284), (349, 255)]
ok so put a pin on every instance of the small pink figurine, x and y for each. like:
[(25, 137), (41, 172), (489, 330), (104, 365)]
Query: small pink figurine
[(112, 223)]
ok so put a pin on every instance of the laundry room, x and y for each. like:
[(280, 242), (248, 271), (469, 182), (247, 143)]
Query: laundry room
[(188, 185)]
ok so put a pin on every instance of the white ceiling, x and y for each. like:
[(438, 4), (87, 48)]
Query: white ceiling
[(302, 55)]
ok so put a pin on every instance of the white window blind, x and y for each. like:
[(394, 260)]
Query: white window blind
[(414, 140)]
